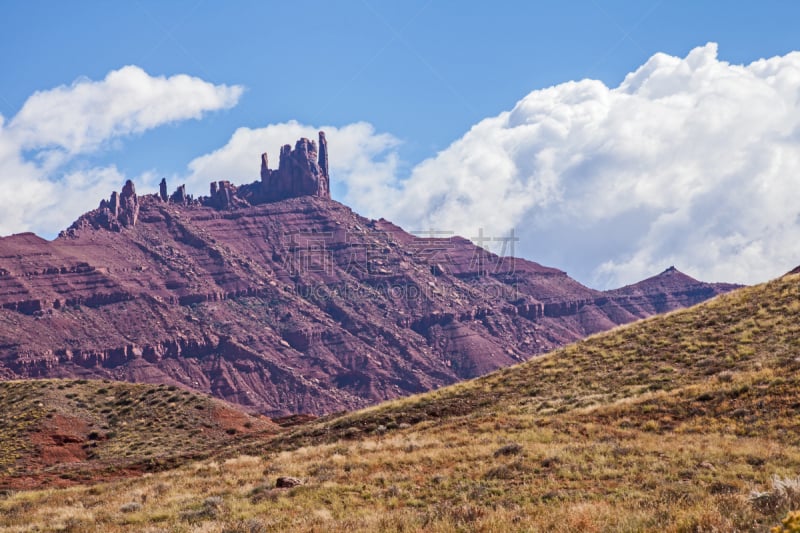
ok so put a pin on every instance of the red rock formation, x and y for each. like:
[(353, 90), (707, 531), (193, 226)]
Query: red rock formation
[(301, 172), (325, 186), (114, 204), (121, 210), (224, 196), (293, 305), (265, 172), (128, 205), (179, 196)]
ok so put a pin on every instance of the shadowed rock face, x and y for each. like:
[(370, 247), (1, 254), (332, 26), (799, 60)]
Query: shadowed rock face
[(287, 304)]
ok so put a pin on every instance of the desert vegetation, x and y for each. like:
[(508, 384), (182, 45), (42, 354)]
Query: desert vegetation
[(67, 431), (684, 422)]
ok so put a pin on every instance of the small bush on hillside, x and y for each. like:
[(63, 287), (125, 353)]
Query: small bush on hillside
[(790, 524), (726, 376), (130, 507), (785, 494), (511, 448), (211, 508), (264, 492), (459, 515), (253, 525), (507, 472)]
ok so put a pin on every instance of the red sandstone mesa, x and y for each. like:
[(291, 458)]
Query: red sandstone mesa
[(276, 297)]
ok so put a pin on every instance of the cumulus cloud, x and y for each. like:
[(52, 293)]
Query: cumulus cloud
[(79, 117), (57, 125), (689, 161)]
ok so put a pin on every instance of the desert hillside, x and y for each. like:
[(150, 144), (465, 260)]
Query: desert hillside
[(682, 422), (62, 432)]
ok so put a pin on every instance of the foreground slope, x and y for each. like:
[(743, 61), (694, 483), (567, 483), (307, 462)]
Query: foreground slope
[(683, 422), (59, 432), (276, 297)]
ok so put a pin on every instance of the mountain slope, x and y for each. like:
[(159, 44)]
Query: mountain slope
[(277, 298), (667, 291), (682, 422), (753, 332)]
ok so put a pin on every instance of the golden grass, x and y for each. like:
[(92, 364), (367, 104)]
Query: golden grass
[(676, 423)]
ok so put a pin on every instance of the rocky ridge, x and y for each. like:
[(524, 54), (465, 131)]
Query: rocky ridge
[(273, 296), (302, 171)]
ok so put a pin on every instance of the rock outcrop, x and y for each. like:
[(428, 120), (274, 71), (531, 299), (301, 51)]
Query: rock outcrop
[(128, 205), (119, 211), (179, 196), (301, 172), (224, 196)]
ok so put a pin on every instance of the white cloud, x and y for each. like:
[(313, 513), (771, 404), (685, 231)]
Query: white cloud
[(56, 125), (79, 117), (690, 161)]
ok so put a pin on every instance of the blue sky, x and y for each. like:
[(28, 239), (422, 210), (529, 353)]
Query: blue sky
[(421, 72)]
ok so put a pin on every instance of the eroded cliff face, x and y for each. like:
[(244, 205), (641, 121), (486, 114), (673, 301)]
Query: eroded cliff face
[(273, 296)]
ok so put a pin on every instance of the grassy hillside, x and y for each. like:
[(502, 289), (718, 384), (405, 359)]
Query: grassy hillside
[(685, 422), (66, 431)]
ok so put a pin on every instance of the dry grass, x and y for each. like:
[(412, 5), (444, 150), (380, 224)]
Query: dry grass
[(678, 423)]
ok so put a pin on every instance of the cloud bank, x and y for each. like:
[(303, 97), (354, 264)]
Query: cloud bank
[(55, 126), (689, 161)]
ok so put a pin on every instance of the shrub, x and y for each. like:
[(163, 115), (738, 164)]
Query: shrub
[(210, 509), (790, 524), (352, 433), (264, 492), (253, 525), (214, 502), (726, 376), (507, 472), (785, 494), (511, 448), (130, 507)]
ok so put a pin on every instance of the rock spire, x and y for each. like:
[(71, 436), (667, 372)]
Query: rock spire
[(302, 171)]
